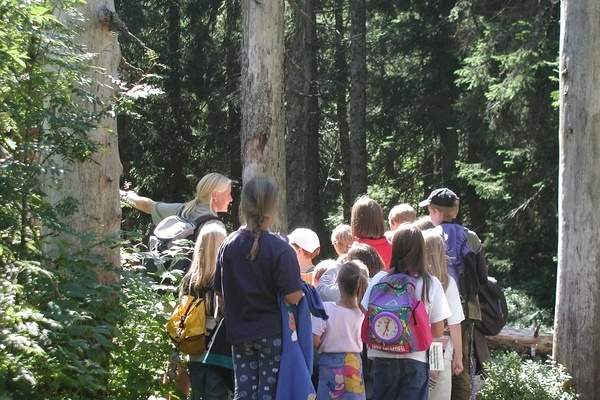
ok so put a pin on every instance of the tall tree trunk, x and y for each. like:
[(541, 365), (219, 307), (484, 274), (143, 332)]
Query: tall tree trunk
[(95, 184), (302, 140), (341, 101), (263, 120), (358, 99), (577, 340)]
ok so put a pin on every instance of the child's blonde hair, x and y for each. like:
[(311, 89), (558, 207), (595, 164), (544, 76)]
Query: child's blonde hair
[(437, 262), (448, 213), (200, 276), (402, 213), (320, 269), (341, 238)]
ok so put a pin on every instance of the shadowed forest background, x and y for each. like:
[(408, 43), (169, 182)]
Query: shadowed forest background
[(458, 94)]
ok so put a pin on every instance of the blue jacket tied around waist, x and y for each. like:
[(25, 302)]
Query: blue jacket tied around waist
[(296, 366)]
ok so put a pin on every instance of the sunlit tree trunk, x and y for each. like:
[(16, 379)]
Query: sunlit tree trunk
[(358, 99), (95, 184), (577, 339), (263, 120)]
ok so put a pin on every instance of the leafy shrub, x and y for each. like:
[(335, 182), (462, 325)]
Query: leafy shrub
[(523, 312), (58, 317), (56, 326), (141, 349), (511, 378)]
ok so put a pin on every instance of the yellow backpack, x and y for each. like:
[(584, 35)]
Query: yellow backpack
[(187, 326)]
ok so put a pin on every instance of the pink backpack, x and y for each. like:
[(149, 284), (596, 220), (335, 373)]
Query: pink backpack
[(398, 320)]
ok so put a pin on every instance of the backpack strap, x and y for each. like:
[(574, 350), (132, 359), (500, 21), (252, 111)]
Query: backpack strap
[(180, 211), (201, 220), (195, 301)]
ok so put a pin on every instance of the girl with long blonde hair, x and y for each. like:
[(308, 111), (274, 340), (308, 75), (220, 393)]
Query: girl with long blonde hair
[(206, 381), (437, 265)]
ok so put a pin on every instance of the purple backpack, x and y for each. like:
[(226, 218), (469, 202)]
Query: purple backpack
[(398, 320)]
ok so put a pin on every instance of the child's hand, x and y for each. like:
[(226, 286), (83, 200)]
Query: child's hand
[(457, 364)]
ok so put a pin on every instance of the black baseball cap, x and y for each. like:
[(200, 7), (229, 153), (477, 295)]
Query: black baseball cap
[(443, 197)]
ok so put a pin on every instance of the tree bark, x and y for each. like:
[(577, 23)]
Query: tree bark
[(358, 99), (577, 339), (341, 102), (95, 184), (302, 140), (263, 120)]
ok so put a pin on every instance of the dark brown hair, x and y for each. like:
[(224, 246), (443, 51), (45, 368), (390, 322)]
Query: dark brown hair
[(353, 280), (367, 219), (408, 256), (368, 255)]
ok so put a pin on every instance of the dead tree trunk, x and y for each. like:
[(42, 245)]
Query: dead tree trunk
[(577, 338), (95, 184), (263, 119)]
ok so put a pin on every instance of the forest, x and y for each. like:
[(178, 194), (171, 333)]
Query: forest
[(386, 98), (457, 94)]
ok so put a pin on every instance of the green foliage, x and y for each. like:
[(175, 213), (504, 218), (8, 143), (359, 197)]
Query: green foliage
[(141, 349), (510, 378), (192, 128), (524, 313), (56, 325), (66, 336), (508, 161), (57, 302)]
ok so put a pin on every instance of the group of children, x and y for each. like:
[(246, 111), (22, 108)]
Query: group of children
[(413, 248), (252, 270)]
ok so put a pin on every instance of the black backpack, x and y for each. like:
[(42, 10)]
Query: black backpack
[(167, 244), (494, 311)]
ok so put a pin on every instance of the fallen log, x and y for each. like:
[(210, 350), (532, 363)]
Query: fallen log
[(522, 341)]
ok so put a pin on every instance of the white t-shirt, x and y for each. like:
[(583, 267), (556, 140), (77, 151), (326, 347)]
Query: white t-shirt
[(437, 309), (341, 332), (457, 314), (454, 303)]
